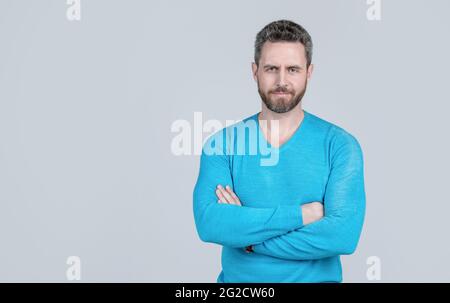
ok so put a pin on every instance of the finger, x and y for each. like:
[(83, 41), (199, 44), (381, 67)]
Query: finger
[(235, 197), (220, 196), (227, 195)]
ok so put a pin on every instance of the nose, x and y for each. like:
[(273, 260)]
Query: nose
[(282, 79)]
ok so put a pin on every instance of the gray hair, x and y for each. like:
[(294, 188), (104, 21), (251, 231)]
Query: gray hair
[(283, 30)]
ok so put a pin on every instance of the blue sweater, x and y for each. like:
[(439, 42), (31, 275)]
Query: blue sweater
[(320, 162)]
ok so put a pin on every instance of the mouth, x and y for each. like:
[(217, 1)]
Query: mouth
[(280, 93)]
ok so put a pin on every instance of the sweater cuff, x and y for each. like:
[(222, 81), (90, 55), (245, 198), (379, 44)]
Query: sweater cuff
[(294, 214), (288, 216)]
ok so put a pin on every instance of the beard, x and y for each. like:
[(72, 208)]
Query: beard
[(281, 104)]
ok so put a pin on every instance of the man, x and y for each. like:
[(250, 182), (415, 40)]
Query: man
[(290, 221)]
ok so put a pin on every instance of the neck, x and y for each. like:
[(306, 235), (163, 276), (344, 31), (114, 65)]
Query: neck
[(287, 122)]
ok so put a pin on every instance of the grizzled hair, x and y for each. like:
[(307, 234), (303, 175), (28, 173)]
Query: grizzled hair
[(283, 30)]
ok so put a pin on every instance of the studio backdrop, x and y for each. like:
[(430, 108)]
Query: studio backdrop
[(93, 94)]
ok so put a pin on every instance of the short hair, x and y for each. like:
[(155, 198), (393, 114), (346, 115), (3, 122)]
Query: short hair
[(283, 30)]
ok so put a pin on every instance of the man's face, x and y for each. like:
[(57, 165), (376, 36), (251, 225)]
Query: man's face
[(282, 75)]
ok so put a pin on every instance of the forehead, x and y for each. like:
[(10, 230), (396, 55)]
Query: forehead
[(283, 53)]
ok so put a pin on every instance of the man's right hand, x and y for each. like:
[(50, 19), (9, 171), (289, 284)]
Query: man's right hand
[(312, 212)]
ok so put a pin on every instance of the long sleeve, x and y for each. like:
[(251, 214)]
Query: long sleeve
[(233, 225), (338, 232)]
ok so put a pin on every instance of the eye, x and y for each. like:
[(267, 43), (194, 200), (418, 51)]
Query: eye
[(293, 69)]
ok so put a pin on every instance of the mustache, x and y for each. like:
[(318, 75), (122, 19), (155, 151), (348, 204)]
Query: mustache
[(281, 90)]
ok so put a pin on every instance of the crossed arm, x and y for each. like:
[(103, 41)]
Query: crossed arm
[(233, 225), (311, 212), (296, 232)]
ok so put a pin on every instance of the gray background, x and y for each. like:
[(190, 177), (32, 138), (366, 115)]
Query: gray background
[(86, 107)]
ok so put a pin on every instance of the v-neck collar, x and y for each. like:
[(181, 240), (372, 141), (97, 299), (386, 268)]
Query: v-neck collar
[(290, 141)]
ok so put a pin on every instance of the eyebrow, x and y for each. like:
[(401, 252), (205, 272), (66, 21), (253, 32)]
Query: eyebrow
[(291, 66)]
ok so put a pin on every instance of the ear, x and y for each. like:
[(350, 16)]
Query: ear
[(309, 71), (254, 70)]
